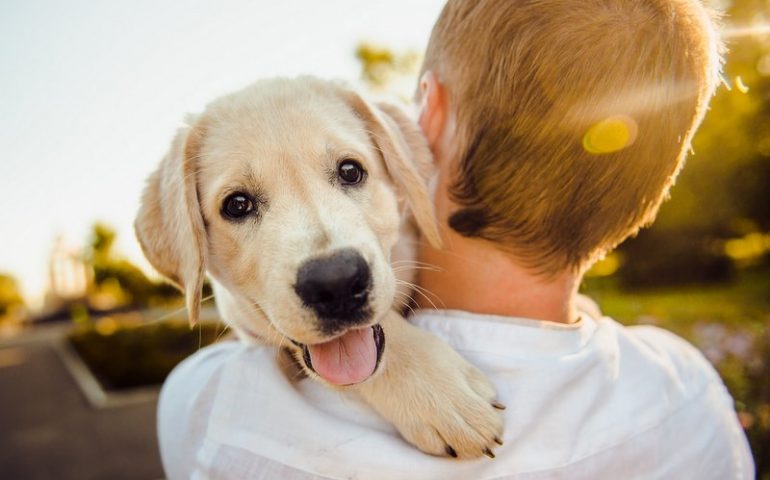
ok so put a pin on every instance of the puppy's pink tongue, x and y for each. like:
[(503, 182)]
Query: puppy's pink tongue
[(348, 359)]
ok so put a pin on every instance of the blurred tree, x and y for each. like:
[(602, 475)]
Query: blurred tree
[(118, 279), (101, 243), (724, 190), (10, 296), (734, 136), (377, 63), (382, 69)]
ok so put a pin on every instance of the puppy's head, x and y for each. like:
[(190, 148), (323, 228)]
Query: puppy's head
[(289, 193)]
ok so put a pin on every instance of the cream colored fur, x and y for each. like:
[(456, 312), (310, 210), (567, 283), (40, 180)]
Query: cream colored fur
[(281, 139)]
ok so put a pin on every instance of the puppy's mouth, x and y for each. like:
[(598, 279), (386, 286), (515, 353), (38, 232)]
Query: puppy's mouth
[(348, 359)]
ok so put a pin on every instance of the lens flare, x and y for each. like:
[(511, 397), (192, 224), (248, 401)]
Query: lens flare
[(610, 135)]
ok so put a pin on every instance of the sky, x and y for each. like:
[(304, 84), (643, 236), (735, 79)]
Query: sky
[(92, 92)]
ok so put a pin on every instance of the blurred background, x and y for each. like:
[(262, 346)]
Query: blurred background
[(91, 94)]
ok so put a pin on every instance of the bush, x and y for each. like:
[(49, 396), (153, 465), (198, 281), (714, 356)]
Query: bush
[(125, 354), (667, 258)]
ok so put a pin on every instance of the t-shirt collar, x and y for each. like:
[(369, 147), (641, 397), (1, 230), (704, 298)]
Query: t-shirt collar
[(512, 336)]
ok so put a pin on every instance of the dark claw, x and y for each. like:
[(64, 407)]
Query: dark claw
[(451, 451), (498, 441), (489, 453), (498, 405)]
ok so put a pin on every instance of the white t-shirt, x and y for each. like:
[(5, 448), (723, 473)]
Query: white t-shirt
[(594, 400)]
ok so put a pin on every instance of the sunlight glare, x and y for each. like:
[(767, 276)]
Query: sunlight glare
[(610, 135), (749, 31)]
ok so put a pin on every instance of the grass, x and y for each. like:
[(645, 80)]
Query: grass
[(742, 304)]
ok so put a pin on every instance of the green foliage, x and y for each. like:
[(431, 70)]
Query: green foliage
[(724, 190), (743, 303), (713, 189), (115, 273), (659, 258), (102, 241), (381, 66)]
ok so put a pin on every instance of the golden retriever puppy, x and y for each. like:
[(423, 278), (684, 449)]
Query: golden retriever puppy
[(293, 196)]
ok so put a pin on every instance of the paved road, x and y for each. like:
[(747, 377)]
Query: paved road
[(49, 431)]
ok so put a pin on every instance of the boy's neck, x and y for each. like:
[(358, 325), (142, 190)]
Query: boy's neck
[(470, 274), (473, 276)]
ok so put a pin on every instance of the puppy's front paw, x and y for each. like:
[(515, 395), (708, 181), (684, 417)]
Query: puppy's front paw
[(434, 397), (453, 411)]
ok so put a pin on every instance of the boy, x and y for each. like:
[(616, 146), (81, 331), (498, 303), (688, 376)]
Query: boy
[(557, 127)]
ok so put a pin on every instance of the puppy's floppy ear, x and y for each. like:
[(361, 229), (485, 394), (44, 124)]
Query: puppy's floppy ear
[(169, 224), (406, 155)]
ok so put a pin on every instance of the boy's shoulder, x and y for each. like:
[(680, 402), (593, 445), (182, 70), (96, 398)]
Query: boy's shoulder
[(672, 355), (620, 404)]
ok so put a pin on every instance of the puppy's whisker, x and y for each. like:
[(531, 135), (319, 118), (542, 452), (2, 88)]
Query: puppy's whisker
[(431, 269), (282, 341), (411, 262), (277, 338), (258, 307), (274, 336), (404, 303), (422, 291), (401, 263), (406, 264), (216, 332), (455, 254), (224, 331), (432, 304), (172, 314)]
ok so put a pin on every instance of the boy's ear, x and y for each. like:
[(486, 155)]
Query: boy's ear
[(169, 225), (433, 109), (406, 156)]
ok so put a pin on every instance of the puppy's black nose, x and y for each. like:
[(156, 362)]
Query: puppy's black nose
[(336, 287)]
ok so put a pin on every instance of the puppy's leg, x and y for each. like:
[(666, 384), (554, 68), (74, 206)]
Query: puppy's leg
[(436, 399)]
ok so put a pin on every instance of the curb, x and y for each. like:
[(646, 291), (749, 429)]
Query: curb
[(92, 390)]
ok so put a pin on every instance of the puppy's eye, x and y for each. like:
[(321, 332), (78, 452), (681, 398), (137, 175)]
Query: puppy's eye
[(351, 172), (237, 205)]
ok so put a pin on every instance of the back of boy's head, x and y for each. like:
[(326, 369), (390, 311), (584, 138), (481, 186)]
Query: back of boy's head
[(573, 117)]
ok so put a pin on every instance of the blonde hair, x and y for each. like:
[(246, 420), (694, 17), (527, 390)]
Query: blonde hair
[(573, 117)]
